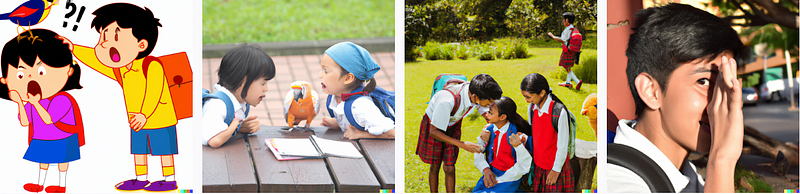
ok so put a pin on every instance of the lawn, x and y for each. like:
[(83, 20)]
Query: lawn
[(243, 21), (508, 73)]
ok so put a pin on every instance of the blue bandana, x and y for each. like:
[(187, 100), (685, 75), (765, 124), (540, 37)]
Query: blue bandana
[(355, 59)]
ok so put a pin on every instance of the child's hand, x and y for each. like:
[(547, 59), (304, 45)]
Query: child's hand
[(352, 133), (552, 177), (471, 147), (330, 123), (485, 135), (34, 98), (522, 137), (514, 140), (489, 178), (250, 125), (725, 113), (137, 121), (67, 42), (14, 95)]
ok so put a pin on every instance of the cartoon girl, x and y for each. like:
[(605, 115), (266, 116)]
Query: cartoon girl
[(37, 71)]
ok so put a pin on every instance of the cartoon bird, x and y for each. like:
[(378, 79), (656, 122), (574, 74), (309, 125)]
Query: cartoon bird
[(30, 13), (590, 110), (302, 103)]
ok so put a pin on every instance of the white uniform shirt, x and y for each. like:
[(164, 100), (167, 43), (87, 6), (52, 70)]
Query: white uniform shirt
[(565, 34), (441, 105), (524, 159), (365, 113), (214, 113), (562, 144), (618, 175)]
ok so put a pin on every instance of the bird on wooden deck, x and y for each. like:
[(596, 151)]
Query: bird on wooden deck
[(301, 103)]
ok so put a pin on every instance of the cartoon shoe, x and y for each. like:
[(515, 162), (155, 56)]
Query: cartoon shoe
[(162, 185), (55, 189), (33, 187), (132, 185)]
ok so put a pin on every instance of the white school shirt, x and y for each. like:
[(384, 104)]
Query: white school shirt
[(365, 113), (562, 143), (524, 159), (214, 113), (441, 105), (618, 175), (565, 34)]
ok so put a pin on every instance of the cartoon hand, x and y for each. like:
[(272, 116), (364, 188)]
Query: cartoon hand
[(552, 177), (250, 125), (137, 121), (485, 135), (66, 41), (14, 95), (34, 98), (489, 178), (514, 140), (725, 113)]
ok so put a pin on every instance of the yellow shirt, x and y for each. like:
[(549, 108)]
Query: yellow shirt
[(149, 96)]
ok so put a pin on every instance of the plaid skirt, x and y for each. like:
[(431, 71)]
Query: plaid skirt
[(567, 60), (564, 184), (433, 151)]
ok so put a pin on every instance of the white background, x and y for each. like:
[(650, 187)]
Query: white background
[(105, 159)]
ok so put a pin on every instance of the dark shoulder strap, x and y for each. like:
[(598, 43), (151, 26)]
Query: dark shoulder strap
[(348, 112), (229, 113), (634, 160), (328, 106), (555, 114)]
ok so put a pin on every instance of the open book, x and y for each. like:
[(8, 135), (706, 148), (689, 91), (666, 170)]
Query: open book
[(313, 147)]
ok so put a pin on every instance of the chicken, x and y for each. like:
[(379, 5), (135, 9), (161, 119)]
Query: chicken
[(301, 103)]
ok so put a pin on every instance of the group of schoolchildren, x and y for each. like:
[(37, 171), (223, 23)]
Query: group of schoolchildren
[(509, 146), (347, 72)]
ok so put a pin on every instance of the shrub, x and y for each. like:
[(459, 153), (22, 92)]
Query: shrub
[(587, 69), (462, 52)]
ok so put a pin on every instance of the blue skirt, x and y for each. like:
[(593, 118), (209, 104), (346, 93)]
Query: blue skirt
[(54, 151), (505, 187)]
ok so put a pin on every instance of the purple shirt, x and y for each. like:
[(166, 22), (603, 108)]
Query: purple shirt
[(60, 110)]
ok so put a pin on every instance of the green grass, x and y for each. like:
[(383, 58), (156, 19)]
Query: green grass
[(241, 21), (508, 73)]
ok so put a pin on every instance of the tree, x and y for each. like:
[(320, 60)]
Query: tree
[(760, 12)]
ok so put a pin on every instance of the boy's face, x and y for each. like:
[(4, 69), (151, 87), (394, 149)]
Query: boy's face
[(255, 93), (683, 109), (39, 78), (117, 46), (331, 77), (565, 22)]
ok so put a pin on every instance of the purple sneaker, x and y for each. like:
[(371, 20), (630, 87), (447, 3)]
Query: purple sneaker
[(162, 186), (132, 185)]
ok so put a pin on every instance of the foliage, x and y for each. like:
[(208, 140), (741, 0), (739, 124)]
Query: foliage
[(436, 51), (758, 185), (758, 13), (775, 36), (587, 69)]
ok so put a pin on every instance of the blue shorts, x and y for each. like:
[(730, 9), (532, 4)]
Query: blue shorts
[(54, 151), (163, 141)]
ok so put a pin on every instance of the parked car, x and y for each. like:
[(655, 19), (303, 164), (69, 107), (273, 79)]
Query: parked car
[(749, 96), (778, 89)]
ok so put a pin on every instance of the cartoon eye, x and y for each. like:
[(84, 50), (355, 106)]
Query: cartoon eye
[(20, 75), (42, 71)]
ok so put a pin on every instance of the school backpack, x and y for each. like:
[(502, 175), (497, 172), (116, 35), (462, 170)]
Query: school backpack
[(444, 80), (571, 50), (229, 113), (555, 113), (382, 99), (178, 73), (636, 161)]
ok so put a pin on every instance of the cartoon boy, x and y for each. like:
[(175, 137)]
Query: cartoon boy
[(682, 75), (128, 34)]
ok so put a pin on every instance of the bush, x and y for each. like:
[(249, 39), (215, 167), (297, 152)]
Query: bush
[(436, 51), (519, 51), (587, 69), (462, 52)]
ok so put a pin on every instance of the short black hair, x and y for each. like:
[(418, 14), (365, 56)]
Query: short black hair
[(569, 16), (245, 61), (141, 21), (666, 37), (484, 86), (40, 43)]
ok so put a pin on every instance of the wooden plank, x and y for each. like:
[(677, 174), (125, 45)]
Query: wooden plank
[(350, 175), (228, 169), (380, 156), (310, 175)]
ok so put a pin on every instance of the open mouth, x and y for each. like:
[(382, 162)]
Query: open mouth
[(34, 88), (114, 53), (323, 86), (261, 97)]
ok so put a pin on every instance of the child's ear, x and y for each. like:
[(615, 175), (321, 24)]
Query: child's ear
[(70, 71), (3, 80), (349, 78), (649, 90), (503, 117), (142, 45)]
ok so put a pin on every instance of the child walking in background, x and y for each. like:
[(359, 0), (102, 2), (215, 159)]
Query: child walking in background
[(505, 159)]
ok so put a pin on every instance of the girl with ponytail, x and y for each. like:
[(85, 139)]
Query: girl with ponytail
[(506, 158)]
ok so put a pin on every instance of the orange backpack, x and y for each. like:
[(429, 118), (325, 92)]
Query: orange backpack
[(178, 72)]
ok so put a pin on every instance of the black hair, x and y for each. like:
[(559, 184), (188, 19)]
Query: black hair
[(668, 36), (484, 86), (368, 88), (40, 43), (569, 16), (534, 83), (245, 61), (142, 22), (507, 106)]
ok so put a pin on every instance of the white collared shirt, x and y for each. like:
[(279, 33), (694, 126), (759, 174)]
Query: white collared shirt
[(214, 113), (566, 33), (365, 113), (618, 175), (562, 144), (441, 105), (524, 159)]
